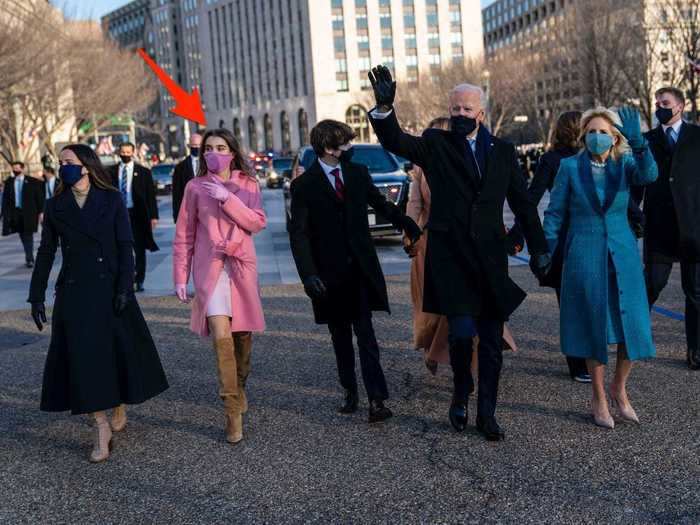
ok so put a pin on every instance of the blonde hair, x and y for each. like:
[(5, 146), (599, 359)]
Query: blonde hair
[(622, 146)]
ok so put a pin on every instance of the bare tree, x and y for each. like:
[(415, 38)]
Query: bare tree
[(681, 21)]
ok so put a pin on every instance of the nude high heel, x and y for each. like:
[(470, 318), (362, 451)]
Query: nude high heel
[(626, 414), (119, 418), (103, 440), (601, 421)]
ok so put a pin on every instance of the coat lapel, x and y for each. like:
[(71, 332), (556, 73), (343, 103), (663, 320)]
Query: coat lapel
[(460, 146), (613, 177), (682, 137), (586, 175), (86, 220)]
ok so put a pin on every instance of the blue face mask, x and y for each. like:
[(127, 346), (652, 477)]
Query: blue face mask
[(70, 173), (598, 143)]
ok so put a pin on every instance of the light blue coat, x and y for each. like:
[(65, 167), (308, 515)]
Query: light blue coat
[(593, 232)]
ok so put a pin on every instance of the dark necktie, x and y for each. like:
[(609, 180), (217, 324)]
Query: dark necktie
[(339, 187), (669, 137), (122, 185)]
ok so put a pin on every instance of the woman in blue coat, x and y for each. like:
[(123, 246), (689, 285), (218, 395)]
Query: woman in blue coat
[(101, 355), (603, 300)]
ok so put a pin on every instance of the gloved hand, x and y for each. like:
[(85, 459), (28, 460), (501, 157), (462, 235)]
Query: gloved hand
[(314, 287), (181, 292), (631, 127), (384, 87), (411, 230), (121, 300), (216, 191), (540, 264), (514, 241), (39, 315)]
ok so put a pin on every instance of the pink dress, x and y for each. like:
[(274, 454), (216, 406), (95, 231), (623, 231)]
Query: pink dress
[(214, 243)]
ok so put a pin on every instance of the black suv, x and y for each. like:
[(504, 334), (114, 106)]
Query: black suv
[(386, 172)]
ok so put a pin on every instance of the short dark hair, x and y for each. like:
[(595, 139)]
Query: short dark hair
[(17, 163), (567, 131), (127, 144), (677, 93), (330, 134)]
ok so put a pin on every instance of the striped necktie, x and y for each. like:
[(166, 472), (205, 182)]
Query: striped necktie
[(670, 136), (122, 184)]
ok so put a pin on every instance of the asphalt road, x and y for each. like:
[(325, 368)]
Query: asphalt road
[(300, 462)]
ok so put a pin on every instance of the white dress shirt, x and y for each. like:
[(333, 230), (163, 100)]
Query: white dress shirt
[(129, 179), (50, 187), (19, 186), (327, 168), (676, 129)]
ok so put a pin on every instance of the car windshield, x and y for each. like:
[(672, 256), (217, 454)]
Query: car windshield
[(162, 171), (376, 158), (280, 165)]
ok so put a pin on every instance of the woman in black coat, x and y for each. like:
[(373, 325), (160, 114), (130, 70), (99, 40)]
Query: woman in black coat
[(101, 353)]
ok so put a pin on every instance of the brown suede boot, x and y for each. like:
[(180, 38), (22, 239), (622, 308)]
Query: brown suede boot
[(243, 346), (228, 388)]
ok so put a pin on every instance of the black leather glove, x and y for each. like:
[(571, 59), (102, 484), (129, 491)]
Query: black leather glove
[(314, 287), (411, 230), (383, 85), (121, 300), (514, 241), (39, 315), (540, 264)]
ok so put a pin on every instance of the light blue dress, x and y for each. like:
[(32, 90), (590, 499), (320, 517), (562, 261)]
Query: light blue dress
[(603, 297)]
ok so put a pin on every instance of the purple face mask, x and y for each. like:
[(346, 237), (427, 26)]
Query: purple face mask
[(217, 162)]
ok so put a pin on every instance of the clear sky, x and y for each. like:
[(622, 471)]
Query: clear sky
[(96, 8)]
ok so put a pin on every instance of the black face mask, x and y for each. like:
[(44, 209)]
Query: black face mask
[(346, 155), (17, 173), (664, 115), (125, 158), (461, 125), (194, 151)]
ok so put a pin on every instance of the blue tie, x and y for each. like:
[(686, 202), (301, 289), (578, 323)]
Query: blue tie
[(20, 188), (122, 185), (670, 137)]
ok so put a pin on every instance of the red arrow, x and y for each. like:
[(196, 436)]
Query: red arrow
[(187, 106)]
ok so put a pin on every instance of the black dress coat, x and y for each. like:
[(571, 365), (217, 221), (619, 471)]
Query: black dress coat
[(466, 263), (182, 174), (143, 193), (672, 203), (331, 239), (32, 205), (96, 360)]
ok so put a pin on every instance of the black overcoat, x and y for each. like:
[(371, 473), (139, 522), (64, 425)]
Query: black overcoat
[(466, 263), (96, 360), (331, 239), (182, 174), (672, 203), (32, 205), (143, 193)]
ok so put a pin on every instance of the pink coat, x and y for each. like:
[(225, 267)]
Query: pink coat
[(207, 232)]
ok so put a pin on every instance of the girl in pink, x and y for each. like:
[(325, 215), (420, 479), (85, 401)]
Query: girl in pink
[(220, 212)]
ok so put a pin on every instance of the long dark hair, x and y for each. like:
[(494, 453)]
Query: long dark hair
[(239, 162), (567, 131), (96, 172)]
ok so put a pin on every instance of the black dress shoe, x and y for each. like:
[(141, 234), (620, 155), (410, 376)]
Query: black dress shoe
[(378, 412), (350, 404), (694, 359), (459, 415), (138, 287), (488, 427)]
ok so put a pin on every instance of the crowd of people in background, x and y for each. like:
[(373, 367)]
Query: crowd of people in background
[(609, 185)]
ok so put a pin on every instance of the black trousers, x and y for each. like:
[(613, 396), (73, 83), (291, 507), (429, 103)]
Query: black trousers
[(341, 335), (656, 275), (27, 239), (577, 365), (461, 331), (139, 247)]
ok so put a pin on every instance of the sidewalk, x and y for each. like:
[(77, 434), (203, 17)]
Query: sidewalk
[(300, 462)]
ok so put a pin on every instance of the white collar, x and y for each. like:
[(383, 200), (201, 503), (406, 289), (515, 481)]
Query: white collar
[(676, 127), (327, 168)]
